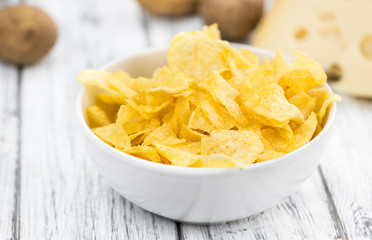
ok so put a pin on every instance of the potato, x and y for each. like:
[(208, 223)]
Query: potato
[(26, 34), (169, 7), (235, 18)]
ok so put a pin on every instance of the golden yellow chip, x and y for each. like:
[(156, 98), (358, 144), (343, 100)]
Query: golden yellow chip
[(192, 147), (97, 117), (304, 103), (255, 80), (324, 99), (268, 155), (270, 106), (303, 133), (144, 152), (163, 135), (304, 75), (223, 93), (196, 54), (120, 82), (199, 121), (189, 134), (217, 115), (243, 145), (217, 161), (181, 114), (114, 135), (169, 82), (176, 156)]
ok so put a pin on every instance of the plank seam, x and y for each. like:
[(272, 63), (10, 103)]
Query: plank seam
[(145, 26), (334, 212), (179, 231), (17, 183)]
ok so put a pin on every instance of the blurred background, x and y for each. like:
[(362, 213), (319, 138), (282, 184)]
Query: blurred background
[(336, 33)]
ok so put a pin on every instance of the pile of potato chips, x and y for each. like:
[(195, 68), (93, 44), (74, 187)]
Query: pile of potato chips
[(211, 106)]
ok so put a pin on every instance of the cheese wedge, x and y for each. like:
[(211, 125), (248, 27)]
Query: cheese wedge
[(336, 33)]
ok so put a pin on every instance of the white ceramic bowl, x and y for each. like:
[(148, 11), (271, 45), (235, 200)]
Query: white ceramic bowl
[(198, 195)]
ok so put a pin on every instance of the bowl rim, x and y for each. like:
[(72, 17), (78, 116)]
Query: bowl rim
[(190, 171)]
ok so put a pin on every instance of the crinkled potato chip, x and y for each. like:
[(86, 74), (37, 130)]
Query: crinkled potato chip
[(324, 99), (304, 103), (222, 92), (113, 135), (144, 152), (189, 134), (243, 145), (217, 161), (211, 106), (163, 135), (196, 54), (176, 156), (199, 121), (270, 106), (97, 117)]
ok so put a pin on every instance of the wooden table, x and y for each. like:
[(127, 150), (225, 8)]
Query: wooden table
[(49, 190)]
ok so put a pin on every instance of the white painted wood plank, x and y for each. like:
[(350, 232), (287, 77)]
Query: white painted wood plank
[(9, 145), (62, 195), (9, 148), (348, 168), (304, 215)]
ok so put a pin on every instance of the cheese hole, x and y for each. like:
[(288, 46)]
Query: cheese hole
[(327, 16), (334, 72), (331, 33), (366, 47), (300, 33)]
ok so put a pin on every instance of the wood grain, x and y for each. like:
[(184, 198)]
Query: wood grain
[(62, 195), (348, 167), (304, 215), (9, 150)]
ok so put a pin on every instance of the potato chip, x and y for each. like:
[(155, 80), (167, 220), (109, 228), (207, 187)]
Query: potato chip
[(255, 80), (163, 135), (97, 117), (170, 82), (303, 76), (192, 147), (268, 155), (196, 54), (324, 99), (144, 152), (199, 121), (270, 106), (114, 135), (176, 156), (251, 57), (138, 137), (243, 145), (217, 161), (181, 114), (303, 133), (189, 134), (217, 115), (304, 103), (119, 81), (223, 93), (211, 106)]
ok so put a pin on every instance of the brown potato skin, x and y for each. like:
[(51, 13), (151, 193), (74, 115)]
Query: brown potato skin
[(169, 8), (26, 34), (235, 18)]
